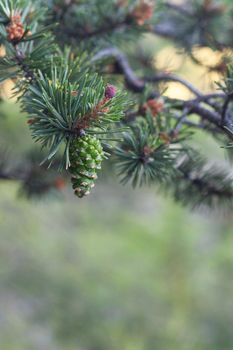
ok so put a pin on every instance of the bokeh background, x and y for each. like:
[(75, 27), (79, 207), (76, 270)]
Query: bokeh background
[(122, 269)]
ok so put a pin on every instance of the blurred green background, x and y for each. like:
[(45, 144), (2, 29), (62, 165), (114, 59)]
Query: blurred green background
[(121, 269)]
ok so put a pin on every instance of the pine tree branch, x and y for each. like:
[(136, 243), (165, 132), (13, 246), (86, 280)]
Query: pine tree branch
[(161, 77), (207, 188), (133, 82), (103, 30), (184, 8), (63, 8), (34, 180), (228, 100), (208, 185), (165, 30), (137, 84), (13, 175), (192, 23)]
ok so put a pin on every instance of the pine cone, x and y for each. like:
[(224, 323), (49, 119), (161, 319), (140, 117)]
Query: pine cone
[(86, 155), (15, 29)]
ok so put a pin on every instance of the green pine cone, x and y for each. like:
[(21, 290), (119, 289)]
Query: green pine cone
[(86, 155)]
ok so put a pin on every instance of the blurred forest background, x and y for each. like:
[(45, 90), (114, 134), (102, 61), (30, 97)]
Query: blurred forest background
[(122, 269)]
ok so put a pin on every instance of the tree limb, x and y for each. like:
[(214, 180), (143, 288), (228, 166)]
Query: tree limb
[(137, 84)]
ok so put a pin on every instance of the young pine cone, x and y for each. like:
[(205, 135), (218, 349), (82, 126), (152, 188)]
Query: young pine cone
[(86, 155)]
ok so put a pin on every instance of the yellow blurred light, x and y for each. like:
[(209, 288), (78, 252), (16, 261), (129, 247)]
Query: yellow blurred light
[(168, 59), (207, 56), (6, 90), (2, 51), (176, 90)]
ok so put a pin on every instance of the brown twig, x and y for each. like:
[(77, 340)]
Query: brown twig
[(137, 84)]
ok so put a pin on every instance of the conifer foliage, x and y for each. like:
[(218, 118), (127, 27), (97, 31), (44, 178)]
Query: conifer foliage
[(89, 94)]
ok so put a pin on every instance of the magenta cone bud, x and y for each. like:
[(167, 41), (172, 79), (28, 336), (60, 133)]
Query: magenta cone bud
[(110, 91)]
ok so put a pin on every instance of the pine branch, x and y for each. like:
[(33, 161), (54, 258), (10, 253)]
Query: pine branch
[(207, 185), (72, 112), (61, 109), (109, 20), (133, 82), (35, 181), (195, 24), (149, 149), (137, 84), (163, 77)]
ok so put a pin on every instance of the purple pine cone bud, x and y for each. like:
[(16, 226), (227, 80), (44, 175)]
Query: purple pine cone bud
[(110, 91)]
